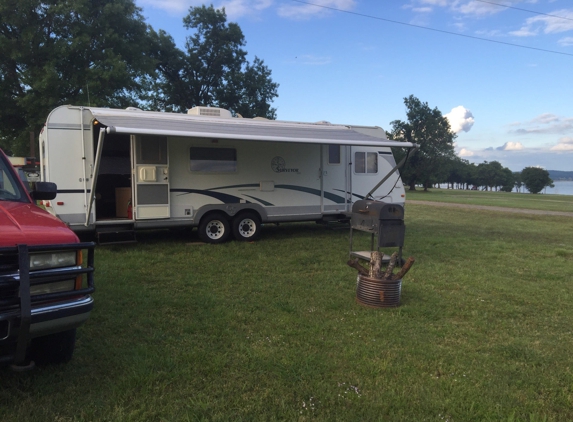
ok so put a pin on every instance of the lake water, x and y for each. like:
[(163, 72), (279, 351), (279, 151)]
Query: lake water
[(564, 187)]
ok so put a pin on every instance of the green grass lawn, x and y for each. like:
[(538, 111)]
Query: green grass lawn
[(271, 330), (499, 199)]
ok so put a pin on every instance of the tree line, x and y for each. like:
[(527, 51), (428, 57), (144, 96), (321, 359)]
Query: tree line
[(102, 53), (435, 162)]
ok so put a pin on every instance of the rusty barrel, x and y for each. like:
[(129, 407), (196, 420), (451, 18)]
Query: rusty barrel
[(378, 293)]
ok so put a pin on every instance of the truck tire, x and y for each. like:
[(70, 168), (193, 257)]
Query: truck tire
[(214, 228), (247, 226), (54, 348)]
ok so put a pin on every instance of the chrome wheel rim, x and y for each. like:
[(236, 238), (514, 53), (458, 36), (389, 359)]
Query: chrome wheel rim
[(247, 227), (215, 229)]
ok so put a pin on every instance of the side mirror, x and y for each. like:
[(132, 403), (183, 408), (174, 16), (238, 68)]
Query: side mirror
[(43, 191)]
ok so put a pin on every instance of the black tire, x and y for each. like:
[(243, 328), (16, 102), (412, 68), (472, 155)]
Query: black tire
[(54, 348), (247, 226), (214, 228)]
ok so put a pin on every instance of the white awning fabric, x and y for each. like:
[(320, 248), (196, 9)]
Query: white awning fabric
[(173, 124)]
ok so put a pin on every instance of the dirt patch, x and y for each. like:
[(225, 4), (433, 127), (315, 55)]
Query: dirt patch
[(491, 208)]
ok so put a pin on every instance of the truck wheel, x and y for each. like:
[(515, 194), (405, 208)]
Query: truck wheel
[(247, 226), (214, 228), (53, 348)]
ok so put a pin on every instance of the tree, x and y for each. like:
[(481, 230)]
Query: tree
[(493, 175), (535, 179), (517, 182), (507, 180), (428, 128), (55, 52), (461, 172), (213, 71)]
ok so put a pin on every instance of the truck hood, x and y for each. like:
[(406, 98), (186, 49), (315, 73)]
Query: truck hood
[(25, 223)]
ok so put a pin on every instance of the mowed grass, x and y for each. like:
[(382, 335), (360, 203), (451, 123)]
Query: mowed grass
[(271, 330), (499, 199)]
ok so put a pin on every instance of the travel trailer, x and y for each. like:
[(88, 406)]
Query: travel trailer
[(118, 171)]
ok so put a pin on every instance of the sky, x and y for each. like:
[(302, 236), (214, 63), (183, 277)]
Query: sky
[(501, 71)]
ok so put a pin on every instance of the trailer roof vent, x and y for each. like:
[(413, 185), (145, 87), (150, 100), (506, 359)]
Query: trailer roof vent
[(210, 112)]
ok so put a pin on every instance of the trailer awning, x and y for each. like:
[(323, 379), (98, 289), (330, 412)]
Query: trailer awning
[(173, 124)]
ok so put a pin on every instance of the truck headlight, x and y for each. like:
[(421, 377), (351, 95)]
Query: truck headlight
[(53, 260)]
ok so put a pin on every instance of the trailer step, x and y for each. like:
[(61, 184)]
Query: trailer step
[(110, 236)]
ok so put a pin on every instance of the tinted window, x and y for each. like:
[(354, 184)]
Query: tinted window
[(334, 154), (213, 160)]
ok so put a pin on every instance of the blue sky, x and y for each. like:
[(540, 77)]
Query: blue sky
[(356, 64)]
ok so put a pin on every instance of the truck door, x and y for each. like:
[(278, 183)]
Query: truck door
[(150, 177)]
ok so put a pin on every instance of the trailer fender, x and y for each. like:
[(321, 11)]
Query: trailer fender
[(231, 210)]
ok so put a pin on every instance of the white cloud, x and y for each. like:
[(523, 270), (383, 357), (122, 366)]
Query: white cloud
[(565, 144), (441, 3), (546, 123), (547, 24), (171, 6), (306, 11), (233, 8), (511, 146), (422, 9), (566, 42), (464, 152), (237, 8), (545, 118), (463, 7), (461, 119), (475, 8)]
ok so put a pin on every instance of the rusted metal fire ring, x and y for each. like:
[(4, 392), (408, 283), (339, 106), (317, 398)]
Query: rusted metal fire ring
[(376, 293)]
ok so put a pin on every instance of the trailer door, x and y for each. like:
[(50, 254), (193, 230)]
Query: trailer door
[(150, 176), (335, 179)]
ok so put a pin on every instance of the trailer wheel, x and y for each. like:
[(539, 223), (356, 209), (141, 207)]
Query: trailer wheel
[(247, 226), (214, 228)]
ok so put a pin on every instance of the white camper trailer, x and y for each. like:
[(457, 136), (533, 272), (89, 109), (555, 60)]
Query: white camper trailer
[(122, 170)]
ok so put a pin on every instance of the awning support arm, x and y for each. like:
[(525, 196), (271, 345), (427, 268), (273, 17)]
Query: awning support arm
[(95, 173), (391, 172)]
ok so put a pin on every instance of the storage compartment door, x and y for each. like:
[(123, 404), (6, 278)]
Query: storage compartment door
[(151, 177)]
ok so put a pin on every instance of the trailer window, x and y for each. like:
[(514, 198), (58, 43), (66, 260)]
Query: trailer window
[(152, 150), (334, 154), (365, 162), (213, 160)]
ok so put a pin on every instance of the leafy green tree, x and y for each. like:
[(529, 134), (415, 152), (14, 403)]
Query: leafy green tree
[(213, 71), (55, 52), (460, 173), (536, 179), (507, 180), (517, 182), (493, 175), (431, 130)]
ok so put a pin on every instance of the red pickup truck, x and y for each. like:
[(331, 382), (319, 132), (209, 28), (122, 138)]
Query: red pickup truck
[(45, 285)]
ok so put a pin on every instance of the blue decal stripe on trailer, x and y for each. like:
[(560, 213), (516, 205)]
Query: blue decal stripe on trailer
[(223, 197), (265, 203), (353, 194)]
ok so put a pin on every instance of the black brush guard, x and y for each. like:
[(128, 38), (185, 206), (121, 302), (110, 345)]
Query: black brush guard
[(16, 279)]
